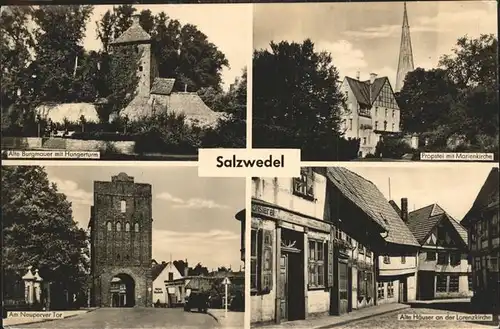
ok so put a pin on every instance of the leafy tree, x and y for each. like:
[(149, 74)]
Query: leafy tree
[(199, 270), (39, 230), (296, 101)]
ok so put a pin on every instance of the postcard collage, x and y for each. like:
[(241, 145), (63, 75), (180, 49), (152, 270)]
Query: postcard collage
[(239, 164)]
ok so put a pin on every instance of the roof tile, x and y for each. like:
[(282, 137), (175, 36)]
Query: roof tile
[(162, 86), (135, 33)]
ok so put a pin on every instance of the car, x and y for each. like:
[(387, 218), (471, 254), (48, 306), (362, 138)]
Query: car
[(197, 300)]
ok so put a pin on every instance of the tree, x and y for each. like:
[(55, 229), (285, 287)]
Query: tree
[(296, 100), (59, 32), (427, 100), (39, 230)]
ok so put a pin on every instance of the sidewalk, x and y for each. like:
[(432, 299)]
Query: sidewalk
[(234, 320), (23, 320), (335, 321)]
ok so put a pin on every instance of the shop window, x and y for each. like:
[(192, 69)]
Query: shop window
[(261, 258), (403, 259), (390, 289), (387, 259), (455, 259), (380, 290), (453, 286), (317, 255), (365, 281), (441, 283), (431, 256), (304, 186), (442, 258)]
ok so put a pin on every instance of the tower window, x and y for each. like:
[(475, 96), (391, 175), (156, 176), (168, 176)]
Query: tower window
[(109, 226), (123, 206), (118, 227), (136, 48), (118, 256), (140, 68), (127, 227), (136, 227)]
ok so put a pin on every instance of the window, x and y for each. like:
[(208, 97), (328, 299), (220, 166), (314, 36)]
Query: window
[(380, 290), (350, 124), (393, 113), (442, 258), (387, 259), (393, 127), (317, 252), (109, 226), (361, 249), (127, 257), (304, 186), (385, 125), (390, 289), (170, 276), (441, 234), (441, 281), (118, 227), (484, 230), (140, 68), (376, 110), (117, 256), (253, 260), (127, 227), (453, 286), (361, 284), (368, 252), (403, 259), (469, 279), (123, 206), (136, 227), (455, 259), (346, 94), (364, 140), (494, 226), (386, 113), (431, 255), (136, 48), (376, 125)]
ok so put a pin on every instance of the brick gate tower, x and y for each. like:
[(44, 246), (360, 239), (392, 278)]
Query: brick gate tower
[(120, 242)]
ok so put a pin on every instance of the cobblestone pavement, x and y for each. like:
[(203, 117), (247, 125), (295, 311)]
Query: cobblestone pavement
[(394, 321), (123, 318)]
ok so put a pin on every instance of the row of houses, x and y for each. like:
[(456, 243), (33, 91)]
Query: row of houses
[(330, 243)]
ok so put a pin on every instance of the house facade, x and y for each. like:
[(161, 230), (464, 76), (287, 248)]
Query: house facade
[(308, 255), (372, 111), (483, 224), (443, 265), (161, 273)]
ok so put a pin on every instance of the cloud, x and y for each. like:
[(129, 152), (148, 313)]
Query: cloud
[(192, 203), (345, 57), (178, 236), (74, 194)]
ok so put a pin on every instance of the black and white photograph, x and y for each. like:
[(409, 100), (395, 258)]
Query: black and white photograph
[(376, 247), (376, 81), (121, 247), (126, 82)]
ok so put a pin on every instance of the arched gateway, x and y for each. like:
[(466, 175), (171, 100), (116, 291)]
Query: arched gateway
[(121, 256)]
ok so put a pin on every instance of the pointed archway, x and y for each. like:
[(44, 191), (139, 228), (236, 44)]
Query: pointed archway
[(122, 291)]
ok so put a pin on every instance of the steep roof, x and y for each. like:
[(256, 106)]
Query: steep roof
[(395, 206), (423, 220), (366, 196), (135, 33), (489, 192), (361, 89), (162, 86), (157, 269), (192, 106)]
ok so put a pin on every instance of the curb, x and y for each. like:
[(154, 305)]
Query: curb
[(46, 320), (338, 324)]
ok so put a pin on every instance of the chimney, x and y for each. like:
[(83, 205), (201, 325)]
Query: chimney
[(373, 76), (404, 209), (186, 268), (357, 75), (135, 19)]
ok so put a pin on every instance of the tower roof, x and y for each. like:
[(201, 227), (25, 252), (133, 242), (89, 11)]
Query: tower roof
[(405, 63), (134, 34)]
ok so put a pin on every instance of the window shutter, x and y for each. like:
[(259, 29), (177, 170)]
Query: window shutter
[(267, 261), (329, 262)]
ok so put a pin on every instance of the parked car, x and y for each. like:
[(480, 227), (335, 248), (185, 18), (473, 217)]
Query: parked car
[(198, 300)]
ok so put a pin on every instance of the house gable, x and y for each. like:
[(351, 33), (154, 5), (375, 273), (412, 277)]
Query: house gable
[(384, 95)]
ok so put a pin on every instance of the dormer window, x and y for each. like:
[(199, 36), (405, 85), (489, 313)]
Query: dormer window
[(304, 186)]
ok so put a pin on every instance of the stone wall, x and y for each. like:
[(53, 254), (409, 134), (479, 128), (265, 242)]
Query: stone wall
[(21, 142), (69, 144)]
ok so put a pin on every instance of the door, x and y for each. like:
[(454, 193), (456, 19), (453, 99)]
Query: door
[(283, 288), (115, 301), (343, 288), (403, 294)]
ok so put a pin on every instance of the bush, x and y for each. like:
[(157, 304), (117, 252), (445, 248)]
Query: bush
[(392, 148), (104, 136)]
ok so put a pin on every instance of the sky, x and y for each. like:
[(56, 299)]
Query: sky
[(453, 186), (365, 37), (193, 217)]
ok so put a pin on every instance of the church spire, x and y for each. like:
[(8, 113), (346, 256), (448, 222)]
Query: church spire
[(405, 63)]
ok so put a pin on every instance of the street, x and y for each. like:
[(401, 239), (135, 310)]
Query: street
[(391, 321), (172, 318)]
